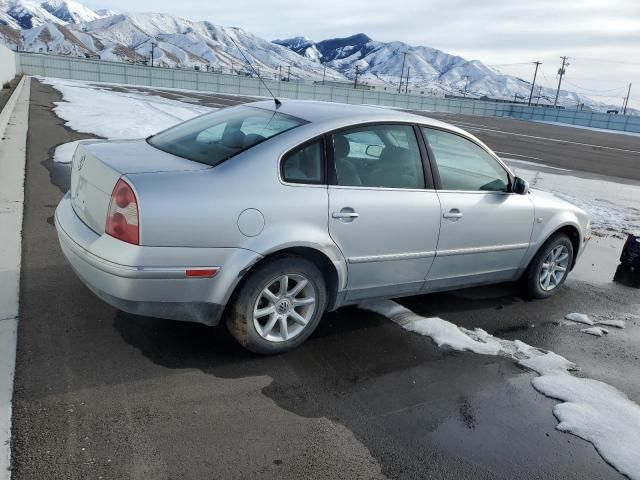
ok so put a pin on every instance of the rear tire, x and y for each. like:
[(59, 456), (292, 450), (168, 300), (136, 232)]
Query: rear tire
[(278, 306), (549, 268)]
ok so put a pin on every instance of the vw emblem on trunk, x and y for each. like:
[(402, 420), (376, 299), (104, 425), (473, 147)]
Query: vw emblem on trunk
[(81, 162)]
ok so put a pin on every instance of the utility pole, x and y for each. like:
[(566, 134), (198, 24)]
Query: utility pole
[(406, 88), (466, 85), (561, 72), (355, 82), (626, 101), (539, 95), (402, 71), (153, 45), (324, 74), (534, 81), (280, 74), (289, 73)]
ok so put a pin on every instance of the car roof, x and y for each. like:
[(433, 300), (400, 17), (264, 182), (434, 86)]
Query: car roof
[(322, 112)]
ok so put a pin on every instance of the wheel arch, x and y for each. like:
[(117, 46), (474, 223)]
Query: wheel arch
[(571, 230), (574, 235), (333, 271)]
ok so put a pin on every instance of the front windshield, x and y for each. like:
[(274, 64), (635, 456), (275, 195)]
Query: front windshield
[(215, 137)]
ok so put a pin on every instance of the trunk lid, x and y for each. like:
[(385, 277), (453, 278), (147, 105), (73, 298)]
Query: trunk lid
[(97, 166)]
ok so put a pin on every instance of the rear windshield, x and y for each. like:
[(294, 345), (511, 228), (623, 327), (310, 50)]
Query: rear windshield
[(217, 136)]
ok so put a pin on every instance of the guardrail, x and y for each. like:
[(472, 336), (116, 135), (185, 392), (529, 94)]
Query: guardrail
[(117, 72)]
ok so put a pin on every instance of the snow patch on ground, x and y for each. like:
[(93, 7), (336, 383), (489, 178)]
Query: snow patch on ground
[(595, 331), (613, 207), (89, 108), (64, 153), (587, 320), (591, 410), (612, 323), (579, 318), (593, 129)]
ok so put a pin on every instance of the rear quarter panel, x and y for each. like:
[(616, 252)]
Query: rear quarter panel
[(203, 208)]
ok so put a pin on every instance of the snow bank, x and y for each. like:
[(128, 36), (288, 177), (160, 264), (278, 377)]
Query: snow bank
[(91, 109), (599, 414), (591, 410), (64, 153)]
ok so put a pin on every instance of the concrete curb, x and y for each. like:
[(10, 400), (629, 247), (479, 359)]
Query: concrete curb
[(8, 107), (14, 121)]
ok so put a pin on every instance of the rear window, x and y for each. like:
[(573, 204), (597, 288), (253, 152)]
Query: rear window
[(217, 136)]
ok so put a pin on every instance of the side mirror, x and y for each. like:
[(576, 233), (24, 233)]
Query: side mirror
[(374, 150), (520, 186)]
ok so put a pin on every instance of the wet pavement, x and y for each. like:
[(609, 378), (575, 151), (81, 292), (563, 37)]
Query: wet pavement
[(103, 394)]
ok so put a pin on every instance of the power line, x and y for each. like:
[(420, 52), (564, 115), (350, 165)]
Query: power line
[(605, 60), (597, 89), (507, 64)]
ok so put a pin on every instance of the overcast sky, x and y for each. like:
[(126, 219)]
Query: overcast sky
[(602, 37)]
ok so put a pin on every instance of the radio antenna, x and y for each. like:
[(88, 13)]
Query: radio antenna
[(277, 102)]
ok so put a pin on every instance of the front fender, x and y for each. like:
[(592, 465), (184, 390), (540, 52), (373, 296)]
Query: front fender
[(545, 227)]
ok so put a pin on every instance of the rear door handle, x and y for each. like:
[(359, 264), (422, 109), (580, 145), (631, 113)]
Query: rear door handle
[(453, 214), (345, 215)]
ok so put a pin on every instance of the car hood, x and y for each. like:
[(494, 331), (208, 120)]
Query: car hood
[(137, 156)]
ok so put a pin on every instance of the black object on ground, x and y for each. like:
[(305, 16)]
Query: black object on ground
[(628, 272)]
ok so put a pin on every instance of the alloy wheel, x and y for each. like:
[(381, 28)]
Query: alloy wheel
[(284, 307), (554, 268)]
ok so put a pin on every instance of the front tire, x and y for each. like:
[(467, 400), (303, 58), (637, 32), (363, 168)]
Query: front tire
[(549, 268), (278, 306)]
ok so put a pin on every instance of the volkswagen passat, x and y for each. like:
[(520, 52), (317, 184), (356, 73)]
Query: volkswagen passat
[(267, 217)]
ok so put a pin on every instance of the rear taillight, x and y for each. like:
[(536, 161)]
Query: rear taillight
[(122, 219)]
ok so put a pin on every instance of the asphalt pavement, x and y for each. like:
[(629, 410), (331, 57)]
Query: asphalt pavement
[(104, 394)]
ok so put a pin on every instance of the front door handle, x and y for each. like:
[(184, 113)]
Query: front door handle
[(454, 214), (347, 214)]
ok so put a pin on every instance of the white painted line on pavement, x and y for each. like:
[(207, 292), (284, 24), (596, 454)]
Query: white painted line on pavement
[(518, 155), (473, 126), (533, 164), (13, 149)]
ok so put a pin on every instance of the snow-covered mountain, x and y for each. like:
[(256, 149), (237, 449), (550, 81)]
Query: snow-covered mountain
[(26, 14), (428, 69), (67, 27), (177, 42)]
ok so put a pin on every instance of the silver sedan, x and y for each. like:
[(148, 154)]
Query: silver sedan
[(268, 215)]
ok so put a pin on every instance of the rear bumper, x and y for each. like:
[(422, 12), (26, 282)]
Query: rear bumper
[(150, 281)]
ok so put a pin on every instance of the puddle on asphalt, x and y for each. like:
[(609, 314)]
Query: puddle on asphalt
[(600, 260)]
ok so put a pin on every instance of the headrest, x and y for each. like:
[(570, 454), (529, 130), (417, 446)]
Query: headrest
[(396, 157), (232, 138), (251, 139), (341, 146)]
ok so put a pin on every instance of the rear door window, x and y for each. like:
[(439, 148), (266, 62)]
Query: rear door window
[(385, 156)]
